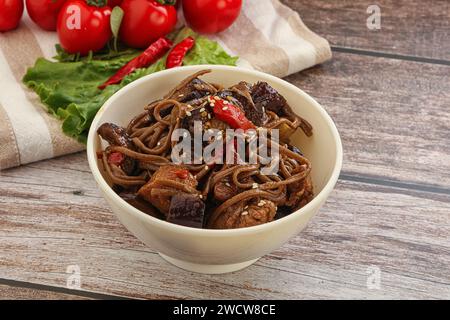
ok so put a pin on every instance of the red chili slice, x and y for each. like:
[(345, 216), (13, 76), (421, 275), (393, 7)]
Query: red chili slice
[(231, 114), (182, 173), (116, 158)]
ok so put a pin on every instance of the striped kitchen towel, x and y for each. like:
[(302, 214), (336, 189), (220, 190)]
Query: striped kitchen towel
[(268, 36)]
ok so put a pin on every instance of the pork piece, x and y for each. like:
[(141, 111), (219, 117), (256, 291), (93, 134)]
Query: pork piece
[(224, 190), (241, 216), (117, 136), (158, 193), (268, 98), (186, 210), (240, 96)]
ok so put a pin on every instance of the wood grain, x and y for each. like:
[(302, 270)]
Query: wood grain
[(408, 27), (48, 224), (392, 116), (21, 293)]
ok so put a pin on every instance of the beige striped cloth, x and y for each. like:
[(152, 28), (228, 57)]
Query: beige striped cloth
[(268, 36)]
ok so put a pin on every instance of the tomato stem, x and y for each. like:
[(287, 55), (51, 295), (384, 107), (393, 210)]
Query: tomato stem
[(167, 2), (97, 3)]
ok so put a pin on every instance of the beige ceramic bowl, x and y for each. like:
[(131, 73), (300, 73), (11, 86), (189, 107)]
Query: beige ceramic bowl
[(220, 251)]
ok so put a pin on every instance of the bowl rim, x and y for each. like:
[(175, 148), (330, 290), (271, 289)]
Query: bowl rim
[(129, 209)]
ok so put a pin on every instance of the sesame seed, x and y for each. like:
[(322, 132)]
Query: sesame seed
[(227, 184), (159, 143), (255, 185), (188, 113), (261, 203), (181, 95), (209, 116), (202, 110), (246, 207), (244, 213), (200, 196), (206, 168)]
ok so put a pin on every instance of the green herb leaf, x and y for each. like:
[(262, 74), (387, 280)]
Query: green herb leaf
[(116, 21)]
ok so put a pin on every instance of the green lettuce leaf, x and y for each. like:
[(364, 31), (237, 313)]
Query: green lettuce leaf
[(68, 87)]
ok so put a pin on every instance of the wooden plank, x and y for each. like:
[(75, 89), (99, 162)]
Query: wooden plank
[(402, 232), (392, 116), (22, 293), (408, 27)]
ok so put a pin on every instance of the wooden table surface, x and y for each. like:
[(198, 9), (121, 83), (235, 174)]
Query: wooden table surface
[(388, 91)]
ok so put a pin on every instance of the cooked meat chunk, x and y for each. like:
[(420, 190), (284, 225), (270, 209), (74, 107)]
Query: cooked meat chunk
[(141, 204), (194, 90), (186, 210), (224, 190), (158, 191), (241, 216), (268, 98), (117, 136)]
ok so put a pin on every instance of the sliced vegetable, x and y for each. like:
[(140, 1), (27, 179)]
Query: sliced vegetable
[(116, 158), (176, 56), (148, 57), (230, 113)]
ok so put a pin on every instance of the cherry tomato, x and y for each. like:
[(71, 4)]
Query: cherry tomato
[(145, 21), (10, 13), (44, 12), (82, 27), (211, 16)]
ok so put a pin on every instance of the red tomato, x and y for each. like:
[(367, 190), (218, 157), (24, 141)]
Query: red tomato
[(44, 12), (211, 16), (83, 28), (10, 14), (145, 21)]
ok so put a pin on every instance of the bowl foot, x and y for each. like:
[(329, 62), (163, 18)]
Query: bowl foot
[(208, 268)]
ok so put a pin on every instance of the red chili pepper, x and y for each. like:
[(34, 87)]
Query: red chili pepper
[(182, 173), (231, 114), (116, 158), (155, 51), (176, 56)]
